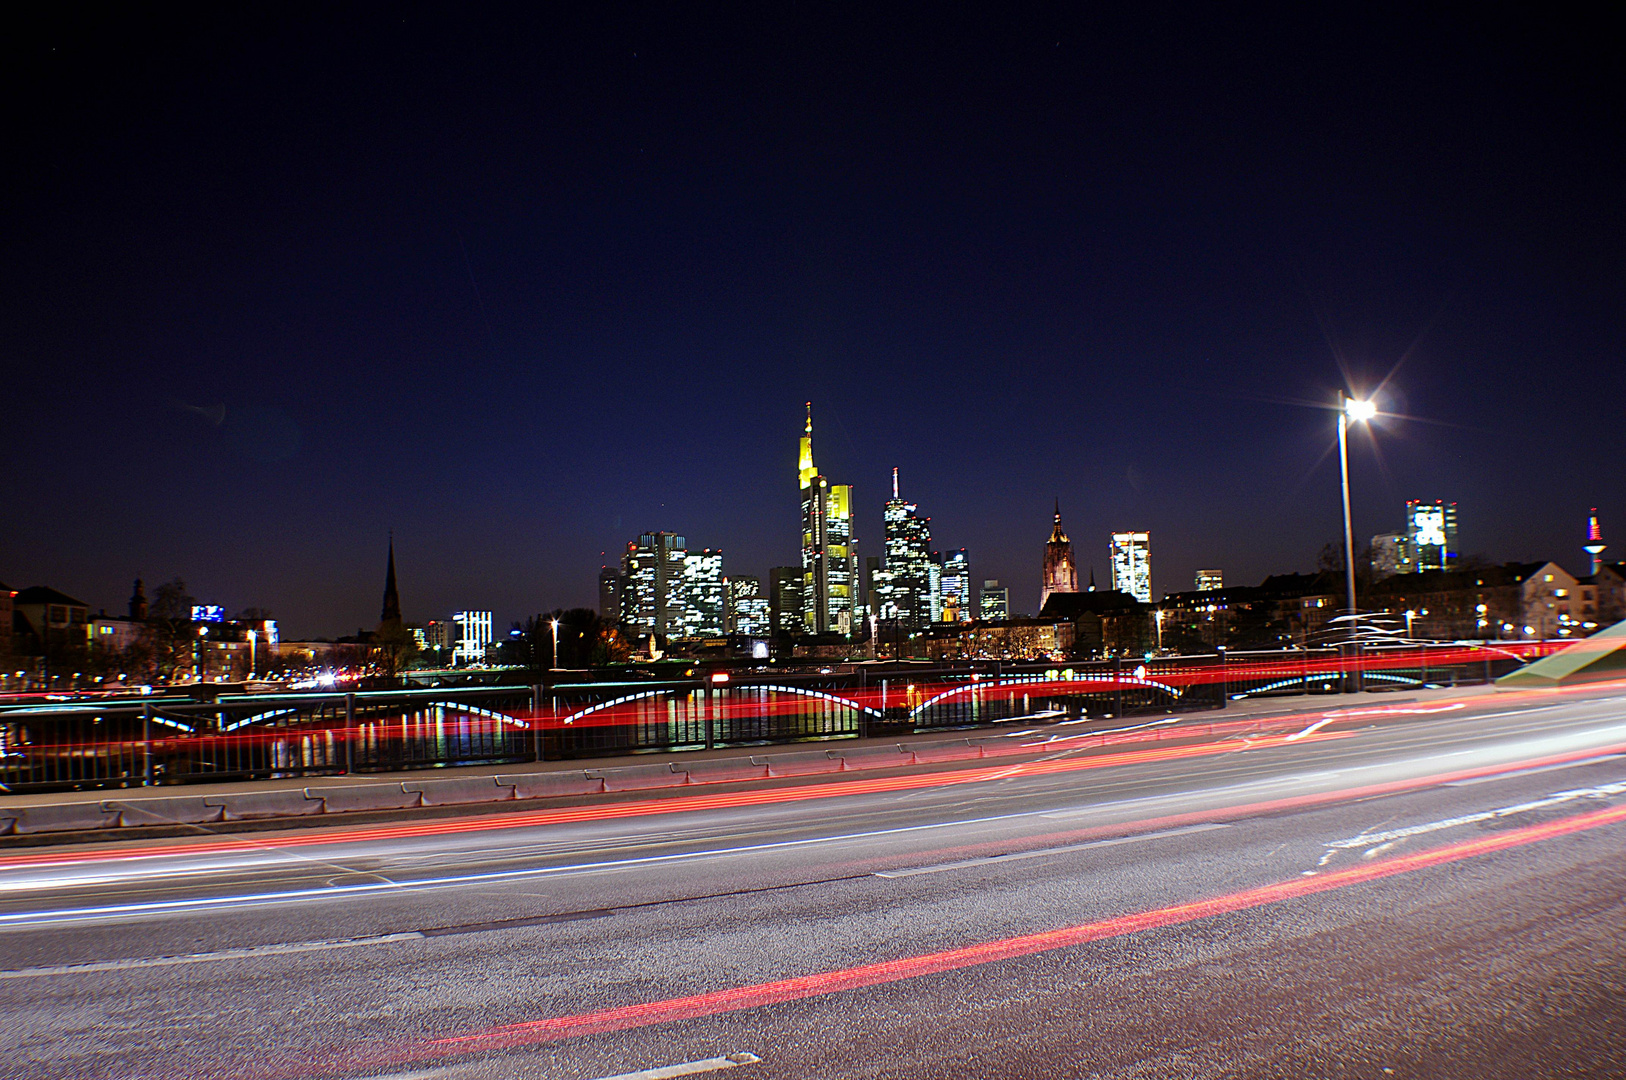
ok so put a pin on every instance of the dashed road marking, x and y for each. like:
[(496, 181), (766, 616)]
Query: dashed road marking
[(1042, 852)]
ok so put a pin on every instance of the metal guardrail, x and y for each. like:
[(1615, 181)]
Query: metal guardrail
[(136, 743)]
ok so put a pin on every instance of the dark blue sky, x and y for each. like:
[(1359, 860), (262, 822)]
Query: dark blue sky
[(518, 288)]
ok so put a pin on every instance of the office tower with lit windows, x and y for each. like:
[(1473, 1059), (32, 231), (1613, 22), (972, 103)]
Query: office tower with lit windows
[(1209, 580), (829, 550), (473, 636), (902, 585), (1060, 571), (1132, 564), (705, 606), (954, 587), (785, 600), (995, 602), (652, 592), (1431, 534), (747, 608), (1392, 554), (609, 593)]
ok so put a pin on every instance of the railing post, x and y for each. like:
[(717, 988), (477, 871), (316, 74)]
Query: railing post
[(1118, 686), (349, 733), (146, 744), (536, 722), (708, 705), (1224, 682)]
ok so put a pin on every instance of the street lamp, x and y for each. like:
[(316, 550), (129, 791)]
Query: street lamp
[(1350, 410), (555, 657), (252, 634)]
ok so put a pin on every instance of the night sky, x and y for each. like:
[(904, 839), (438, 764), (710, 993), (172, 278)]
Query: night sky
[(519, 288)]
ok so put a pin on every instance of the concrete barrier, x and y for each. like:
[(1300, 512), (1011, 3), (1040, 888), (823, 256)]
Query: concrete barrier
[(170, 810), (958, 750), (453, 790), (354, 797), (65, 817), (552, 785), (247, 805), (722, 770), (802, 764), (1001, 744), (639, 777), (8, 822), (873, 757)]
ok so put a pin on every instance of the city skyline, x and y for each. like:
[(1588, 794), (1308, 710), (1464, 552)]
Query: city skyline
[(302, 347)]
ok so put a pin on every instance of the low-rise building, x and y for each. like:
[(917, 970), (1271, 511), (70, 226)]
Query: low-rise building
[(1008, 639)]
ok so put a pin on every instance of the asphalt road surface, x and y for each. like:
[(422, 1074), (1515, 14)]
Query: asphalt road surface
[(1404, 893)]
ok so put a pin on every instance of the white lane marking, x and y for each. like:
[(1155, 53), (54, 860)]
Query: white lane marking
[(689, 1068), (1602, 791), (1042, 852), (249, 953), (1533, 771), (1313, 728)]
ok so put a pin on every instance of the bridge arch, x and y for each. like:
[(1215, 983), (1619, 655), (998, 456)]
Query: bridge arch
[(1110, 681)]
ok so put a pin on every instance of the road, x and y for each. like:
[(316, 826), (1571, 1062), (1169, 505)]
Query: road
[(1407, 893)]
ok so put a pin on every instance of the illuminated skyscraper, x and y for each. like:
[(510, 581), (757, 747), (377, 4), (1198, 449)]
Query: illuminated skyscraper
[(473, 636), (955, 587), (829, 551), (785, 600), (704, 604), (1431, 534), (996, 602), (902, 585), (609, 593), (1132, 564), (747, 608), (1060, 571), (652, 596)]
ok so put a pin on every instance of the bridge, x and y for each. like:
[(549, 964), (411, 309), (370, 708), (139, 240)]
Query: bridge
[(113, 743)]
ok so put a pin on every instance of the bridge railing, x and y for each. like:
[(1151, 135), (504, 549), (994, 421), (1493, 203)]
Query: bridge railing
[(126, 743)]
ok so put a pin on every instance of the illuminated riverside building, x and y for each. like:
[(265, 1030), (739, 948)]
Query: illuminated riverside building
[(954, 587), (785, 600), (1431, 533), (609, 593), (1132, 565), (1210, 580), (748, 611), (829, 552), (1428, 542), (473, 636), (902, 584), (702, 594), (652, 600), (995, 602), (1060, 571)]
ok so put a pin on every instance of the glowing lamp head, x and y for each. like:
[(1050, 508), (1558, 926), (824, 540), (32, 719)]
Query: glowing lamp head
[(1358, 410)]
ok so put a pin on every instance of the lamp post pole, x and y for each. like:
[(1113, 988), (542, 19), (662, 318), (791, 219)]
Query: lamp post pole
[(1350, 410), (1344, 414)]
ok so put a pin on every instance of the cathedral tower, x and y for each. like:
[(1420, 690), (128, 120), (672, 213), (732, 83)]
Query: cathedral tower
[(1060, 572)]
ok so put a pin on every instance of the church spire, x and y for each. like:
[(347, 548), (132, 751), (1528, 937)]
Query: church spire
[(392, 599), (1056, 535)]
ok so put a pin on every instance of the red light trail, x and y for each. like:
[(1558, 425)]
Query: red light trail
[(559, 1028)]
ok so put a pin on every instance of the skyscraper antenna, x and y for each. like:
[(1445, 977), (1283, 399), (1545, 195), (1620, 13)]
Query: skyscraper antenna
[(894, 481)]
